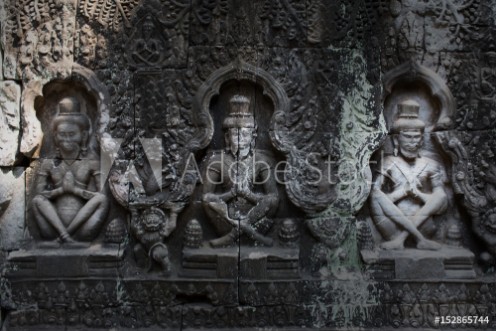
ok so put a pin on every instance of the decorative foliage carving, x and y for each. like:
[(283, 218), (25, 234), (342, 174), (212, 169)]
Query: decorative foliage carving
[(96, 304), (475, 83), (474, 178), (109, 13), (91, 48), (43, 32)]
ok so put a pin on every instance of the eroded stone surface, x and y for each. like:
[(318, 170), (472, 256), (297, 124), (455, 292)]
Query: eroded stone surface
[(10, 98), (12, 213), (1, 54), (38, 38), (164, 86)]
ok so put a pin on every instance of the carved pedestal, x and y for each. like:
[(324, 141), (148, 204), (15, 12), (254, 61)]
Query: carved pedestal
[(446, 263), (247, 165), (254, 263), (94, 260)]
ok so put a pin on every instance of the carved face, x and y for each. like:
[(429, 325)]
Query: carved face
[(68, 137), (152, 222), (240, 140), (490, 223), (147, 29), (410, 142)]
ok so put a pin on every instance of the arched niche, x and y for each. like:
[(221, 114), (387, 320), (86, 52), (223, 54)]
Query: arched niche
[(414, 81), (39, 105), (240, 77)]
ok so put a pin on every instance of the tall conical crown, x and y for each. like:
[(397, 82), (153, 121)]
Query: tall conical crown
[(70, 111), (239, 113), (69, 105), (408, 117)]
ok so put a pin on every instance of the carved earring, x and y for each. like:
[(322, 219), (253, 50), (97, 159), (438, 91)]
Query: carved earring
[(395, 151)]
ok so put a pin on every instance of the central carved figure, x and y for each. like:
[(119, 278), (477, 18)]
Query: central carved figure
[(240, 192), (68, 205), (408, 191)]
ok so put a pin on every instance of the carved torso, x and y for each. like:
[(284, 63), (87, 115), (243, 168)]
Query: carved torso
[(248, 172), (424, 174), (82, 170)]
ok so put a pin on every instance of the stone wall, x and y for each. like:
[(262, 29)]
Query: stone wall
[(187, 164)]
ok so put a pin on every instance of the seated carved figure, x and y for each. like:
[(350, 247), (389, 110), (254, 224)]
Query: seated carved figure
[(67, 205), (408, 191), (240, 193)]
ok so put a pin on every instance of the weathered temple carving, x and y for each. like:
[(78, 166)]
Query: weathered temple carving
[(411, 192), (239, 190), (262, 164), (238, 208), (478, 199), (67, 203), (409, 188), (10, 95)]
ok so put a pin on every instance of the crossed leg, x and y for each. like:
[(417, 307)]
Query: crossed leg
[(385, 211), (49, 222)]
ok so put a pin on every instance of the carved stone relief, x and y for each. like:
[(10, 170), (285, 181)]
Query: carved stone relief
[(472, 177), (411, 192), (232, 164), (111, 14), (9, 122), (425, 31), (239, 209), (12, 202), (39, 37), (67, 203), (153, 44)]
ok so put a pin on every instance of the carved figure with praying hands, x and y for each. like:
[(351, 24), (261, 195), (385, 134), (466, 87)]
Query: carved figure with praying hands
[(408, 190), (230, 197), (67, 205)]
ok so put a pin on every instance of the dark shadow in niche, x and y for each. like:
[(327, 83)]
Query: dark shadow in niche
[(47, 109)]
